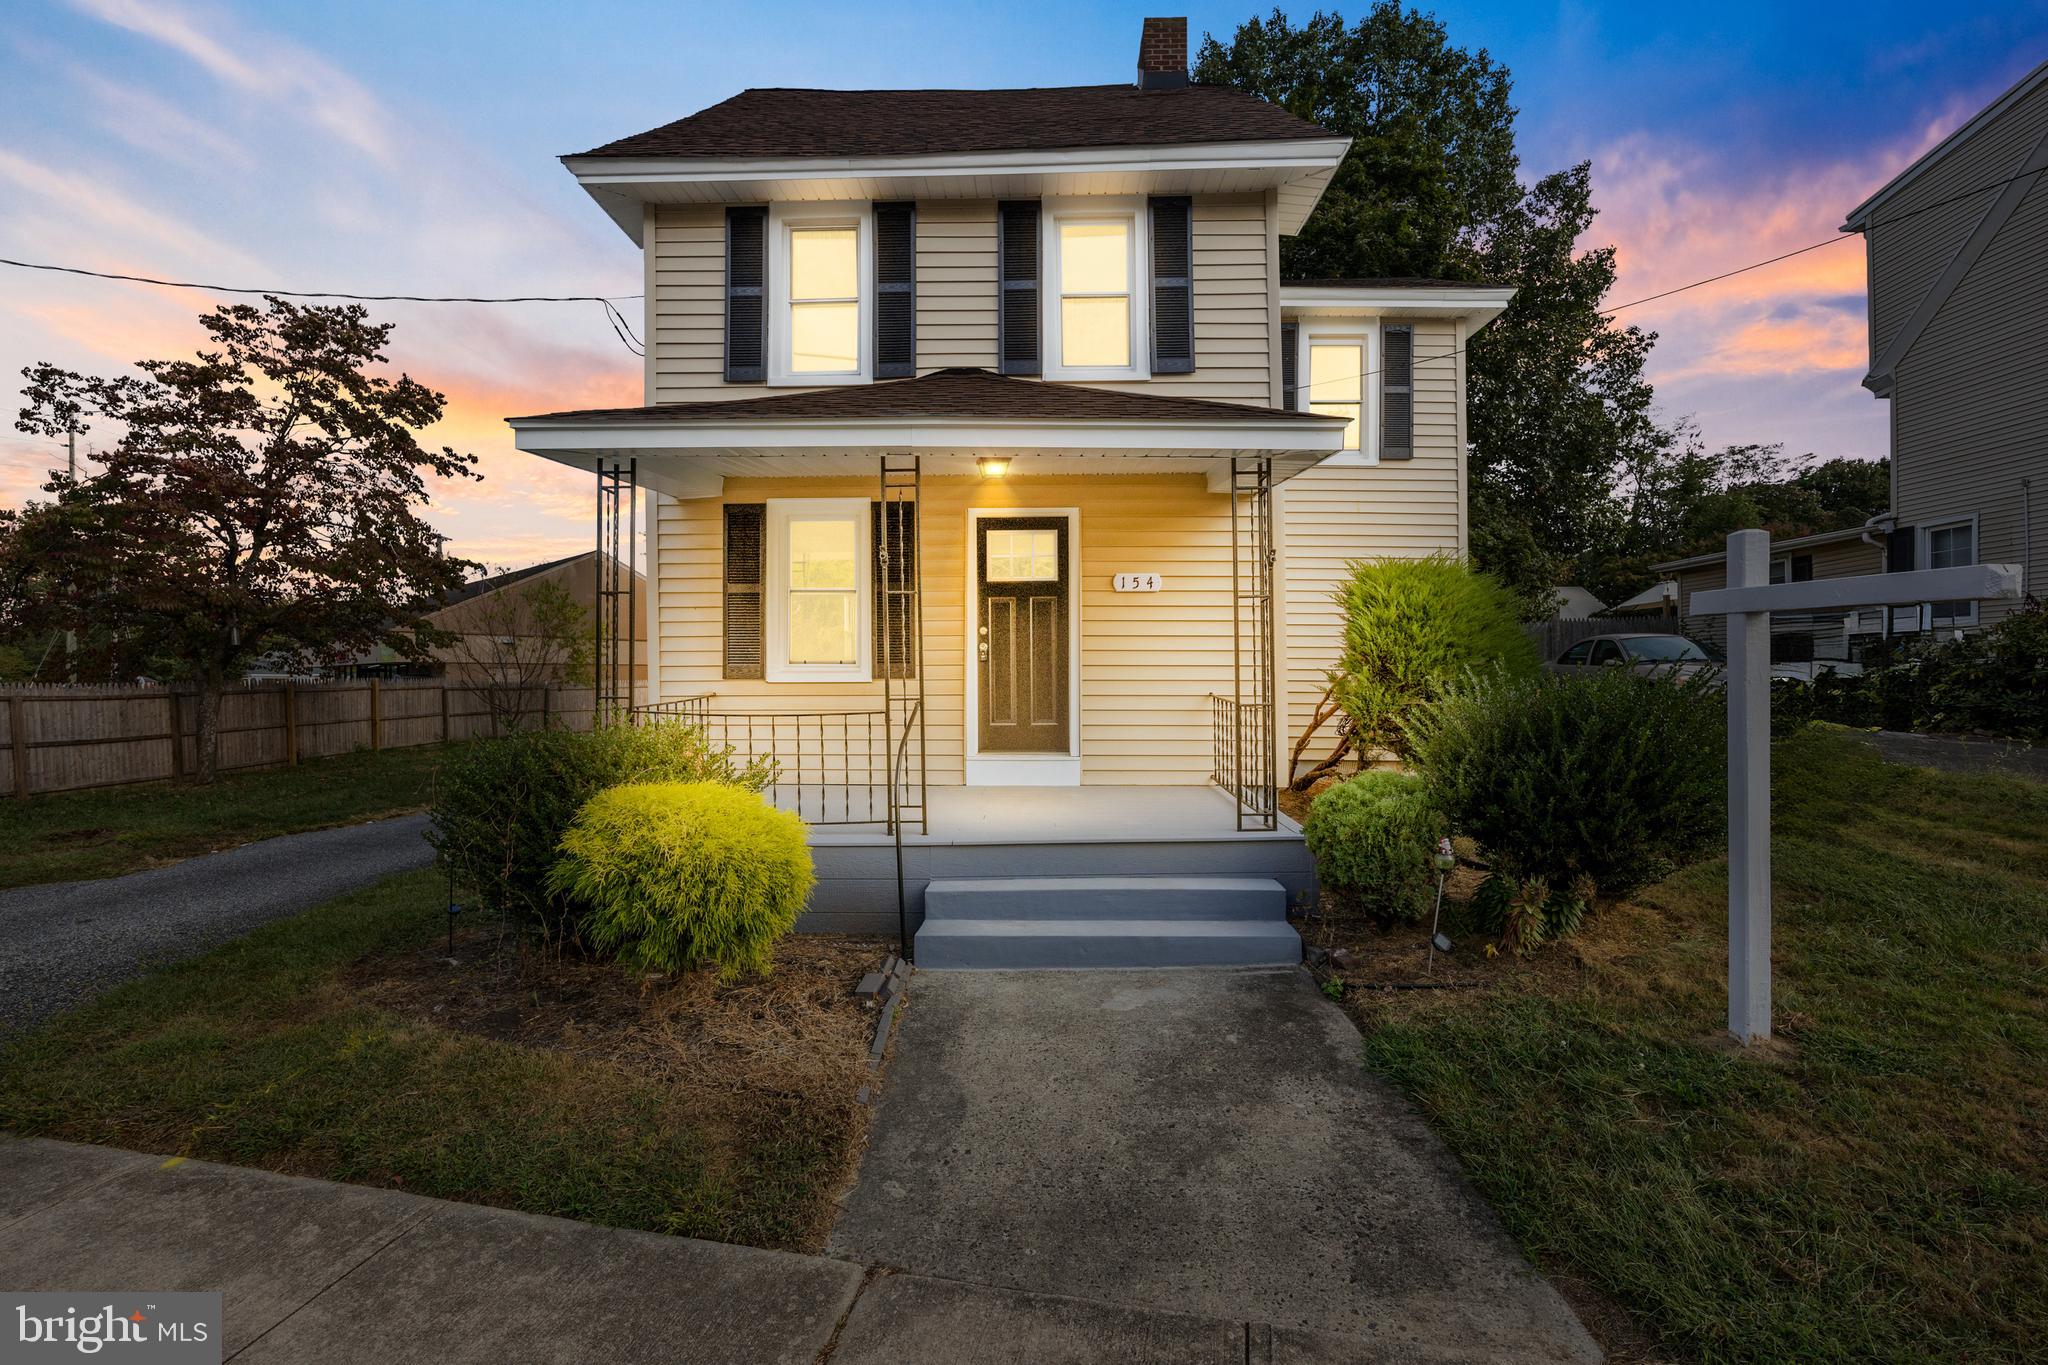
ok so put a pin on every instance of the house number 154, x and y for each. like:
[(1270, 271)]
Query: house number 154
[(1137, 582)]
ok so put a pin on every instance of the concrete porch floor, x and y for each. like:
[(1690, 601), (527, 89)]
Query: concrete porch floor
[(1064, 815)]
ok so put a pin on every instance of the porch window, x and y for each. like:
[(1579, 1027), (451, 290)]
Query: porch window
[(1336, 385), (1949, 546), (819, 589)]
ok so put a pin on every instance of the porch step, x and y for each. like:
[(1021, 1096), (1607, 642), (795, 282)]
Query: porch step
[(999, 944), (1106, 898)]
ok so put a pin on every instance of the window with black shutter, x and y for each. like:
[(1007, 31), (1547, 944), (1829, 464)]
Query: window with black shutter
[(895, 291), (1173, 285), (895, 529), (1397, 393), (746, 295), (1802, 568), (1290, 366), (745, 589), (1017, 274)]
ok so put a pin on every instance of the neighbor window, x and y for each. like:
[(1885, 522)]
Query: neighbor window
[(1095, 294), (1950, 547), (824, 300), (1336, 385), (818, 588)]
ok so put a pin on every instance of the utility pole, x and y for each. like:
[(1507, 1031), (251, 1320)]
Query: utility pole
[(71, 463)]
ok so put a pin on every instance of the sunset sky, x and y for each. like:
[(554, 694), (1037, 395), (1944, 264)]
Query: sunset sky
[(410, 147)]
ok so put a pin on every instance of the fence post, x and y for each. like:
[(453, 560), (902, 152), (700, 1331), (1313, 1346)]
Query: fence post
[(17, 735), (1749, 794), (177, 733), (291, 724), (546, 695), (444, 709), (376, 717)]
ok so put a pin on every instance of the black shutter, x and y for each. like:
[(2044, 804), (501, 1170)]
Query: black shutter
[(1898, 551), (895, 291), (895, 526), (745, 587), (746, 296), (1173, 285), (1397, 393), (1017, 274), (1802, 568), (1290, 366)]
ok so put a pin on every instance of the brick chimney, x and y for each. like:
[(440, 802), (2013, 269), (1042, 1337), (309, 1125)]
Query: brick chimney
[(1163, 54)]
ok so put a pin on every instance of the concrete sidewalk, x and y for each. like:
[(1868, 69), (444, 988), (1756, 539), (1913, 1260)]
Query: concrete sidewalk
[(63, 943), (316, 1272)]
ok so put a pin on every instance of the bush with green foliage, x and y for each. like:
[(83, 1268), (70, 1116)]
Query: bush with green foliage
[(501, 806), (674, 876), (1373, 838), (1994, 681), (1614, 777), (1412, 629)]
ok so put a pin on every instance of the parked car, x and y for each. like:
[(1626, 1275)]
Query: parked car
[(1643, 653)]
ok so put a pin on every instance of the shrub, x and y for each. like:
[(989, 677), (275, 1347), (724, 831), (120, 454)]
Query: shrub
[(1614, 777), (501, 806), (1412, 629), (1993, 680), (1527, 914), (673, 876), (1373, 838)]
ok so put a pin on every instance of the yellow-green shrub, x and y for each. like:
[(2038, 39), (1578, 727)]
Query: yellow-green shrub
[(673, 876)]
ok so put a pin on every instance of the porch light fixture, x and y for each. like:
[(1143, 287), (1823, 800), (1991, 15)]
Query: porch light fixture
[(993, 466)]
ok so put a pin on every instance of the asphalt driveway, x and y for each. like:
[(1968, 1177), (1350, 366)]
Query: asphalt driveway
[(1205, 1141), (63, 943)]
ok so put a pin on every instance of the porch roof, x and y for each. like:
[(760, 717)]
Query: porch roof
[(951, 417)]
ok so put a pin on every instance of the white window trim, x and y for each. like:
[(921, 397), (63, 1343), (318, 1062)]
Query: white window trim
[(1096, 209), (782, 219), (1344, 331), (1922, 558), (1023, 770), (776, 609)]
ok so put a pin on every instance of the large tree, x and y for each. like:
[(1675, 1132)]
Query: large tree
[(1432, 188), (259, 499)]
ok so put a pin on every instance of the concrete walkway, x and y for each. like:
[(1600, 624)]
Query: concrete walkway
[(312, 1272), (1205, 1141), (1960, 753), (66, 942)]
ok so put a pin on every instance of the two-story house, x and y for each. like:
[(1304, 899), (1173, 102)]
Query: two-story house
[(995, 477), (1957, 246)]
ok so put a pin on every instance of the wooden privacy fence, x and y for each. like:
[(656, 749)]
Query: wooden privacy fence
[(70, 738)]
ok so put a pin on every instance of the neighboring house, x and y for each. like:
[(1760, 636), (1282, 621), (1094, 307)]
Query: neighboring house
[(1659, 599), (1575, 603), (1958, 295), (985, 417), (481, 610), (1818, 638)]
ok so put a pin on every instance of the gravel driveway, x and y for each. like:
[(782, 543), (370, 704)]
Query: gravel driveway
[(64, 943)]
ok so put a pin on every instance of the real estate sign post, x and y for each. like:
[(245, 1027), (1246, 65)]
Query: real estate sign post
[(1747, 602)]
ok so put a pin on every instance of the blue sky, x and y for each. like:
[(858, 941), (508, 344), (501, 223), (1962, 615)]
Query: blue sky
[(388, 147)]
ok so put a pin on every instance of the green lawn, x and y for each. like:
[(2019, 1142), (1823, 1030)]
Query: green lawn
[(265, 1053), (111, 830), (1874, 1187)]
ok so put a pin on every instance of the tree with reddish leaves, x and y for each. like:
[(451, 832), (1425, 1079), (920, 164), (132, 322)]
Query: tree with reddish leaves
[(259, 500)]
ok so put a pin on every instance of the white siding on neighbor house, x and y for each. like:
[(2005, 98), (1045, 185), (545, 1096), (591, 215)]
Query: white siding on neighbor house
[(1970, 401), (1335, 514), (956, 300), (1906, 257)]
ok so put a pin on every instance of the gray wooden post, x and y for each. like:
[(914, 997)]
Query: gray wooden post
[(1749, 794)]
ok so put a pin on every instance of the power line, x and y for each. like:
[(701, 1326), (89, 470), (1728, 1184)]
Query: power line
[(318, 293)]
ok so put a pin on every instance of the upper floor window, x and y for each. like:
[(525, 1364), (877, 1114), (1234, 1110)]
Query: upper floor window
[(819, 297), (1095, 314), (1336, 361)]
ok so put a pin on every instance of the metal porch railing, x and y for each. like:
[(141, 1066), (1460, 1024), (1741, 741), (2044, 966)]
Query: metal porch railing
[(1240, 760)]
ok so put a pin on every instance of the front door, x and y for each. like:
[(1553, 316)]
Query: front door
[(1021, 633)]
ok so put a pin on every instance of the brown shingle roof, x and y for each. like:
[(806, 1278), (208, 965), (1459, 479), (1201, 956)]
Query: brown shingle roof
[(961, 393), (822, 123)]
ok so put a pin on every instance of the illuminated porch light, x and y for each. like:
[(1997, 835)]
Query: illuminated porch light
[(993, 466)]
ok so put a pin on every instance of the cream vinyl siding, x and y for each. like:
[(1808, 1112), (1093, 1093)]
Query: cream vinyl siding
[(1148, 660), (1234, 267), (1337, 513), (1970, 399)]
